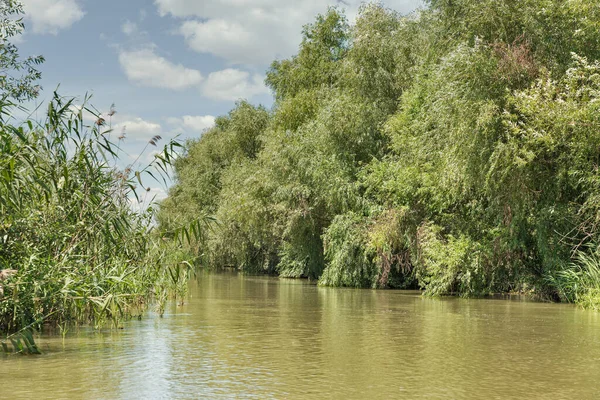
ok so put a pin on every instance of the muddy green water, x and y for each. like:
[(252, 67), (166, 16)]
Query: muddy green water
[(254, 337)]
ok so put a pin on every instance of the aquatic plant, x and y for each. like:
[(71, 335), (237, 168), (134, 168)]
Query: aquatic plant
[(579, 282), (76, 250)]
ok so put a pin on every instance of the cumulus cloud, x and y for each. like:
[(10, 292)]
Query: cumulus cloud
[(198, 123), (253, 32), (136, 128), (51, 16), (232, 41), (233, 84), (146, 68)]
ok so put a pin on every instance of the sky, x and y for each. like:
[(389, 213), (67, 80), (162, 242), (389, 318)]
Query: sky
[(168, 66)]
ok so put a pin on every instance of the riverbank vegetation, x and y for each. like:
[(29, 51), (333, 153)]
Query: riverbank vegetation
[(455, 149), (72, 248)]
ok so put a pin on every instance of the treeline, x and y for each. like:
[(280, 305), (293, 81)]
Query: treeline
[(455, 149)]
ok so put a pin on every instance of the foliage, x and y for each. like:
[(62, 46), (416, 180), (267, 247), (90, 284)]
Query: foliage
[(454, 149), (78, 251), (21, 343), (324, 43), (580, 281), (349, 264), (17, 76), (200, 170)]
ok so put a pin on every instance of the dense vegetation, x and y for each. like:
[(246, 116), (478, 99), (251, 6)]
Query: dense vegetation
[(455, 150), (72, 249)]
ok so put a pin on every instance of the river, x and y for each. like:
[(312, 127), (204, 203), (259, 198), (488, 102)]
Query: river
[(258, 337)]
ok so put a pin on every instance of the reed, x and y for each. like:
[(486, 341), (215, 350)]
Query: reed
[(72, 249), (580, 281)]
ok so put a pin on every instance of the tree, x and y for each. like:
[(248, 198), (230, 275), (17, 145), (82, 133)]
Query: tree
[(18, 76), (454, 150)]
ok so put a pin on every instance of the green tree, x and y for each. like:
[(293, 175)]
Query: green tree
[(453, 149), (18, 77)]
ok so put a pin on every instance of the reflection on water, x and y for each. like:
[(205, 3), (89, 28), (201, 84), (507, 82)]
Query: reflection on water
[(255, 337)]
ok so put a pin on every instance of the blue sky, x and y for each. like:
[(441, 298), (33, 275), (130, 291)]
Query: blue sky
[(169, 66)]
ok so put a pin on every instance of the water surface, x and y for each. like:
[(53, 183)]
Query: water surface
[(255, 337)]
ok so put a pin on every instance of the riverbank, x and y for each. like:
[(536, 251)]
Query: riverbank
[(454, 149)]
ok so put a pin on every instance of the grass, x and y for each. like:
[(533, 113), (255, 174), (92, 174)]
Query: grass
[(580, 282), (72, 249)]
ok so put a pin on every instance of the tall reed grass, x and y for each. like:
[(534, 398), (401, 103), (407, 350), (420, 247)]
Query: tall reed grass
[(71, 247), (580, 281)]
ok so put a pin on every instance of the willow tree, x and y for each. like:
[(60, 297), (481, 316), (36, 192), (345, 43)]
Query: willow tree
[(452, 149)]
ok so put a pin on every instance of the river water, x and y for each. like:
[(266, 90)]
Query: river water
[(256, 337)]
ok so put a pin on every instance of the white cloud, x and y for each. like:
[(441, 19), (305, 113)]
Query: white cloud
[(51, 16), (229, 40), (129, 28), (198, 123), (136, 128), (146, 68), (253, 32), (233, 84)]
